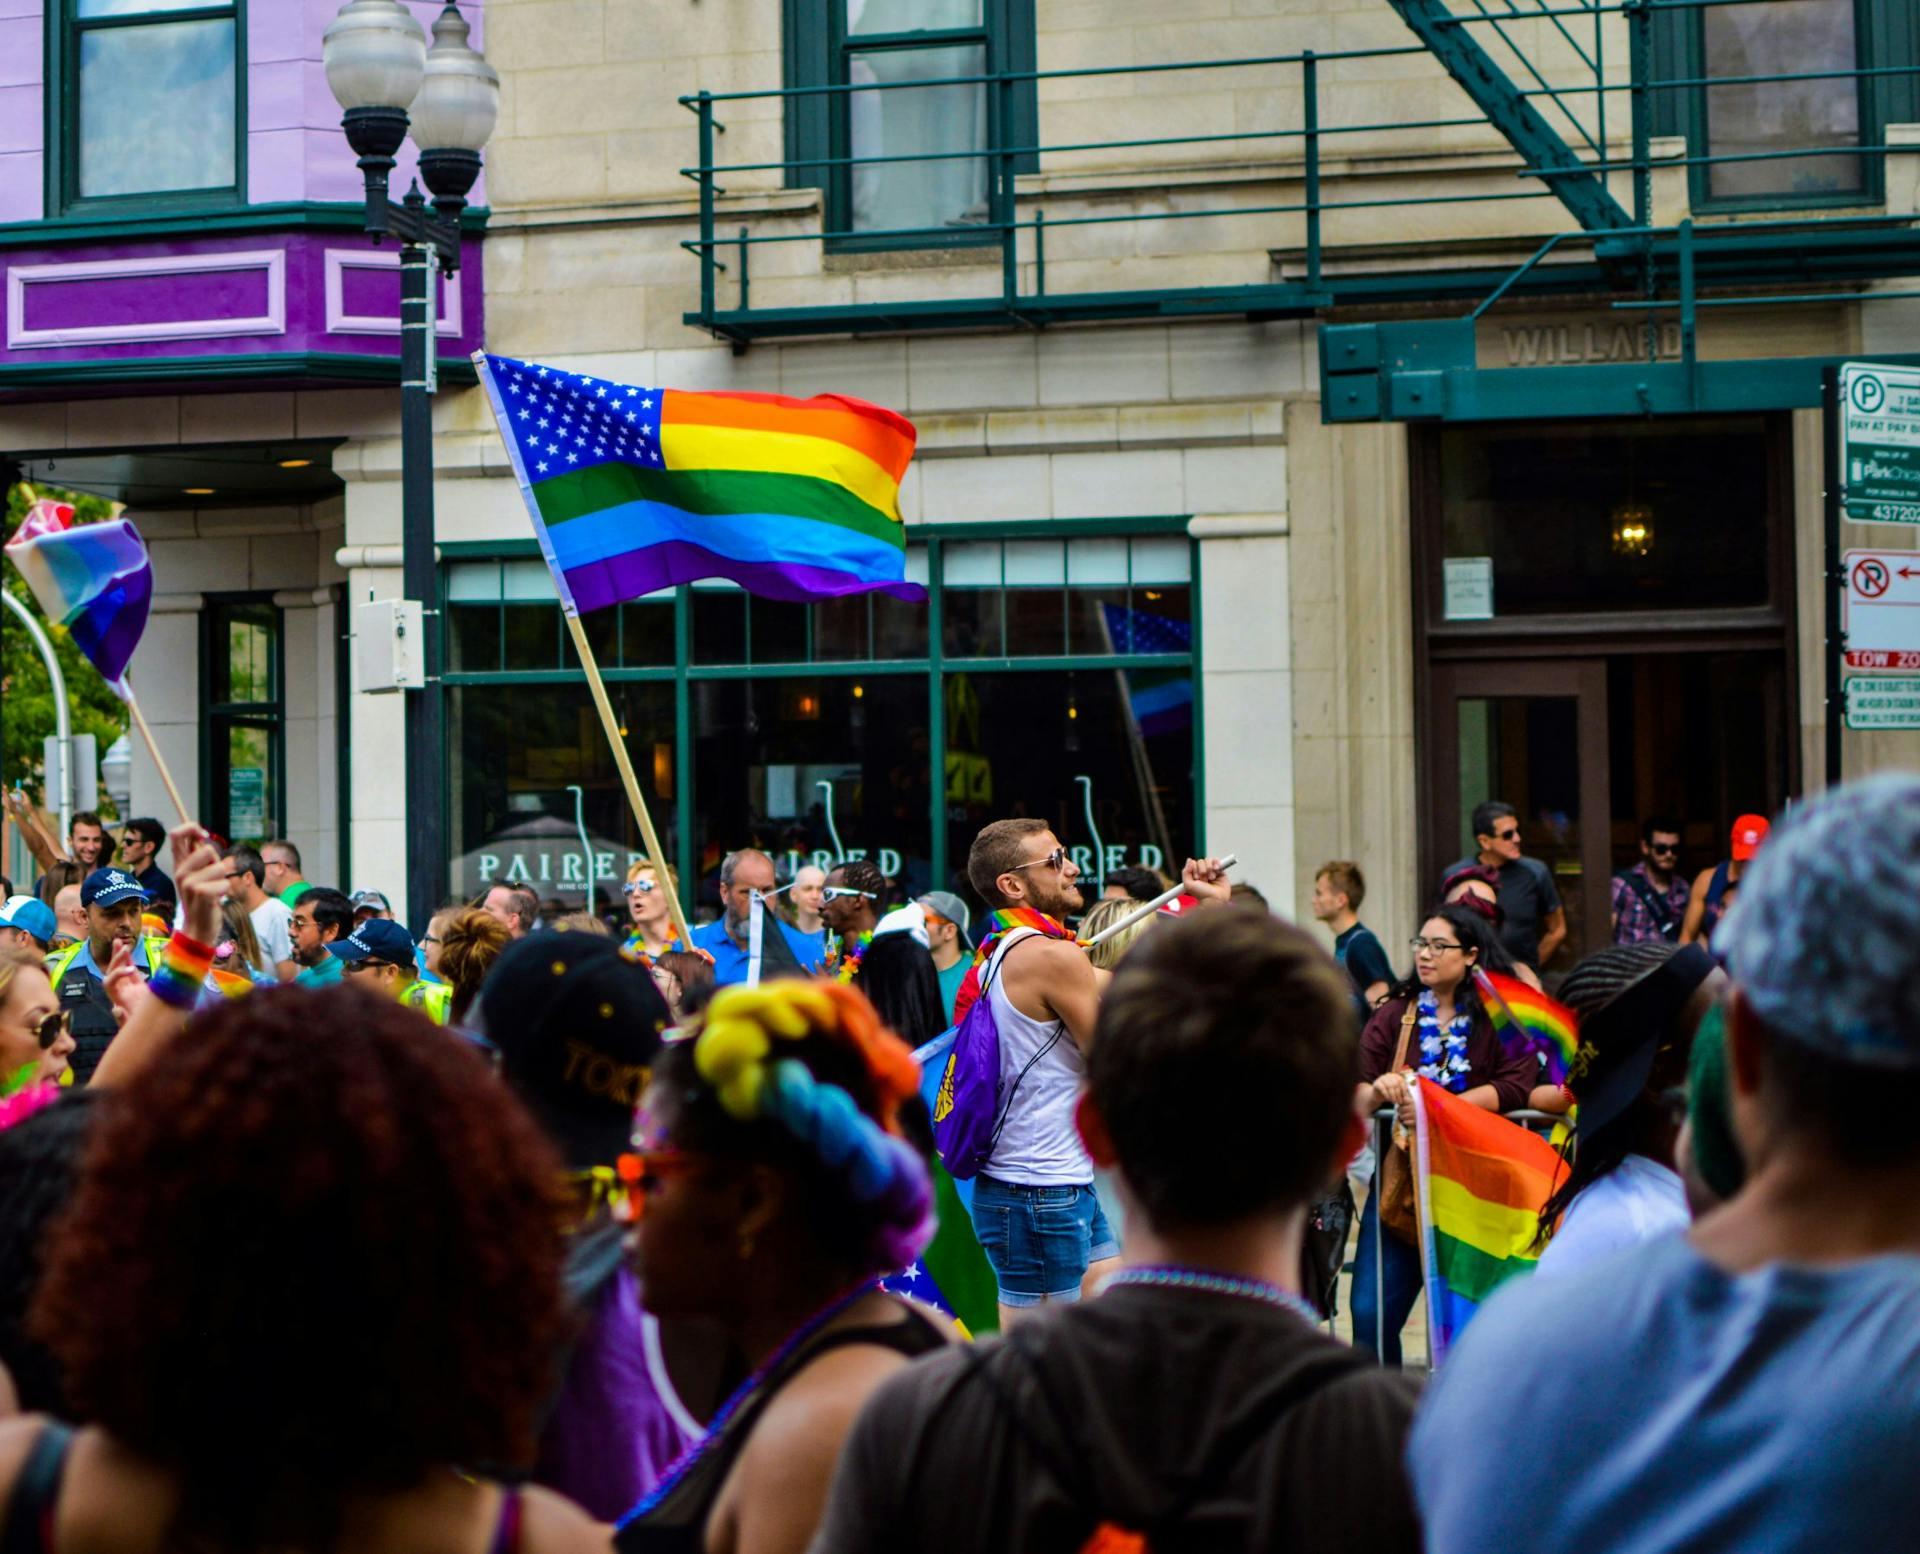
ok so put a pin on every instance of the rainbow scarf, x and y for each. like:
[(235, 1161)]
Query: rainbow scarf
[(1005, 921), (1481, 1182), (1532, 1022)]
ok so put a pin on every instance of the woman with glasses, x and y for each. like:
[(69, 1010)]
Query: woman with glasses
[(650, 929), (1432, 1025), (35, 1041), (775, 1189)]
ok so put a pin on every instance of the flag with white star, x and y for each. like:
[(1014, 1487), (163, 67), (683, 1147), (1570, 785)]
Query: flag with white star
[(634, 489)]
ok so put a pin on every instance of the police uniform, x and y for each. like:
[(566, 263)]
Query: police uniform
[(431, 999), (84, 993)]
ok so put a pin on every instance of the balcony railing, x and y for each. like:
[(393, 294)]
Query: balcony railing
[(1294, 219)]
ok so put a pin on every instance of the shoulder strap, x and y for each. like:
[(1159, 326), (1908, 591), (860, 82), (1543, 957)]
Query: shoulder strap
[(1655, 903), (506, 1530), (28, 1528), (1406, 1032)]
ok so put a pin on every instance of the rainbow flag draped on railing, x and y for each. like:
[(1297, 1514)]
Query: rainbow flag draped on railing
[(636, 489), (1480, 1182)]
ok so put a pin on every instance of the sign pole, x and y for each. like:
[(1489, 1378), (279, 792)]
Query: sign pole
[(1836, 571), (632, 783)]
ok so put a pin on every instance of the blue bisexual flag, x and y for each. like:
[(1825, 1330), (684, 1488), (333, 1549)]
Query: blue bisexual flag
[(1161, 700)]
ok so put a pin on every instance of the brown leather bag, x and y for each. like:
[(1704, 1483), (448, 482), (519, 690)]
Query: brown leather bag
[(1394, 1175)]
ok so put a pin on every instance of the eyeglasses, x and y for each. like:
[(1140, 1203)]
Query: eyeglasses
[(1669, 848), (50, 1028), (1425, 946), (646, 1171), (431, 938), (355, 968), (835, 892), (639, 887), (1507, 836), (1055, 860)]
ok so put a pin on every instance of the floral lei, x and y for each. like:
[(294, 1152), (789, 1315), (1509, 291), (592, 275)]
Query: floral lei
[(843, 960), (1443, 1057)]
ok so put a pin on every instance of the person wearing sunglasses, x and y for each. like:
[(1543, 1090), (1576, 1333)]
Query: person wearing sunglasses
[(1650, 899), (775, 1187), (1536, 923), (113, 901), (650, 929), (850, 902), (36, 1035)]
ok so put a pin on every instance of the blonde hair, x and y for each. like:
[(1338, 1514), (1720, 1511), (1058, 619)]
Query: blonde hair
[(239, 929), (470, 943), (13, 960), (645, 866), (583, 922), (1104, 914)]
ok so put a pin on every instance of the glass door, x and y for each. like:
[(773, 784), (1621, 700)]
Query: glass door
[(1533, 735)]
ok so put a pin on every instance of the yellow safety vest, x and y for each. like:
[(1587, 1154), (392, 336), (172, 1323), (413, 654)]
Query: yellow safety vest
[(433, 999)]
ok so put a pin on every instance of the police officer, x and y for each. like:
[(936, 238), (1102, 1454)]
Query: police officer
[(379, 953), (112, 900)]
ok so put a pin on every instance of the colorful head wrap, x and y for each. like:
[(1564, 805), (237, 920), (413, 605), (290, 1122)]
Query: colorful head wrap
[(737, 1053)]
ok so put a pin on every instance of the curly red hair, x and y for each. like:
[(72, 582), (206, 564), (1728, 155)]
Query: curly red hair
[(314, 1250)]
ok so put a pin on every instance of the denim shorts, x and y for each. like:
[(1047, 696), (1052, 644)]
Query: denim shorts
[(1039, 1240)]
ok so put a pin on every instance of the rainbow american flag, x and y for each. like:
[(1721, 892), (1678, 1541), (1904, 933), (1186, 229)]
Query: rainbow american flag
[(636, 489), (1480, 1182)]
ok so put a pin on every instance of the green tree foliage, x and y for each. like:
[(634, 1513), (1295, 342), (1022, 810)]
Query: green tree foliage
[(26, 696)]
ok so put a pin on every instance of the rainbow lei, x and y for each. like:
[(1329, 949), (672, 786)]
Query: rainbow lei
[(844, 959)]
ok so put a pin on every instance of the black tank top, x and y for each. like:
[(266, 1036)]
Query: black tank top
[(678, 1525)]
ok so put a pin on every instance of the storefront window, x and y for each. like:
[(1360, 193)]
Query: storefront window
[(809, 727), (1017, 742), (1603, 516), (519, 751), (241, 753), (784, 764)]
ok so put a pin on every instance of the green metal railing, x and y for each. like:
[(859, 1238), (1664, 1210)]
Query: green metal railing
[(1615, 249)]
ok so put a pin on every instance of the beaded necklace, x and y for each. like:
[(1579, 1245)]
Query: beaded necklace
[(846, 957), (685, 1463), (1443, 1056), (1172, 1277)]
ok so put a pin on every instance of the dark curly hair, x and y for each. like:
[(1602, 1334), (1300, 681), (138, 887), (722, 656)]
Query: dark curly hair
[(316, 1252), (39, 1162), (864, 874)]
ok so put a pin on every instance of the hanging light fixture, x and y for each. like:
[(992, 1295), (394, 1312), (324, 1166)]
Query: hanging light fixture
[(1630, 524)]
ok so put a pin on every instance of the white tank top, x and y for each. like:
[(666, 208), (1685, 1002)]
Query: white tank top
[(1039, 1146)]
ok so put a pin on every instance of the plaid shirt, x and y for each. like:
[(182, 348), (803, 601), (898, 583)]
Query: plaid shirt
[(1634, 923)]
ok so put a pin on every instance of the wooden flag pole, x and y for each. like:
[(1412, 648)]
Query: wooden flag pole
[(153, 749), (621, 760)]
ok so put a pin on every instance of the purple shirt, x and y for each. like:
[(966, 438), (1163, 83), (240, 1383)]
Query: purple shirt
[(1635, 921), (616, 1425)]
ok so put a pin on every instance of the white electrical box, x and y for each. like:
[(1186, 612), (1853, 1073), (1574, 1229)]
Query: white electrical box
[(389, 642)]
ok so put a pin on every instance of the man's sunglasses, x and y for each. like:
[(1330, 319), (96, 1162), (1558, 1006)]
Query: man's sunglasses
[(1670, 848), (1055, 860), (1507, 836), (835, 892)]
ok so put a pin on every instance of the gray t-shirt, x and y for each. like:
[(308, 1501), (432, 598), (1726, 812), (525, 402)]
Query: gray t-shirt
[(1654, 1403), (1528, 898)]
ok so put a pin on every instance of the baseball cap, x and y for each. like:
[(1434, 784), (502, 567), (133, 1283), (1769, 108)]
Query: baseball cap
[(378, 938), (109, 887), (369, 900), (1823, 939), (31, 915), (1628, 1032), (944, 903), (577, 1025), (1749, 831)]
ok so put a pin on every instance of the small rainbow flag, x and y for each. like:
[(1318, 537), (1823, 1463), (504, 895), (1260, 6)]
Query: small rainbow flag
[(1531, 1020), (1481, 1182), (636, 489), (95, 579)]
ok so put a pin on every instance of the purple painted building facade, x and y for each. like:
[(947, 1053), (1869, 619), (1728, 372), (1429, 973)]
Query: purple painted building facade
[(281, 277)]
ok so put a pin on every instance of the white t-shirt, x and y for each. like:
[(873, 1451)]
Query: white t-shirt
[(273, 926), (1042, 1065), (1639, 1200)]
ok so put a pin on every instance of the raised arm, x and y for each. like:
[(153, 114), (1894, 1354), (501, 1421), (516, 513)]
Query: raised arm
[(31, 831)]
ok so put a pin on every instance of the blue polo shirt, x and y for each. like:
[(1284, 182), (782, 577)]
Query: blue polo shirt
[(730, 960)]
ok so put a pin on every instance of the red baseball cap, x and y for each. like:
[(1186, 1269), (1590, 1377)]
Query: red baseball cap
[(1749, 831)]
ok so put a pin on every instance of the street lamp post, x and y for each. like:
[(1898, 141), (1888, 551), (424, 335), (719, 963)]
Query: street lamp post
[(388, 80)]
